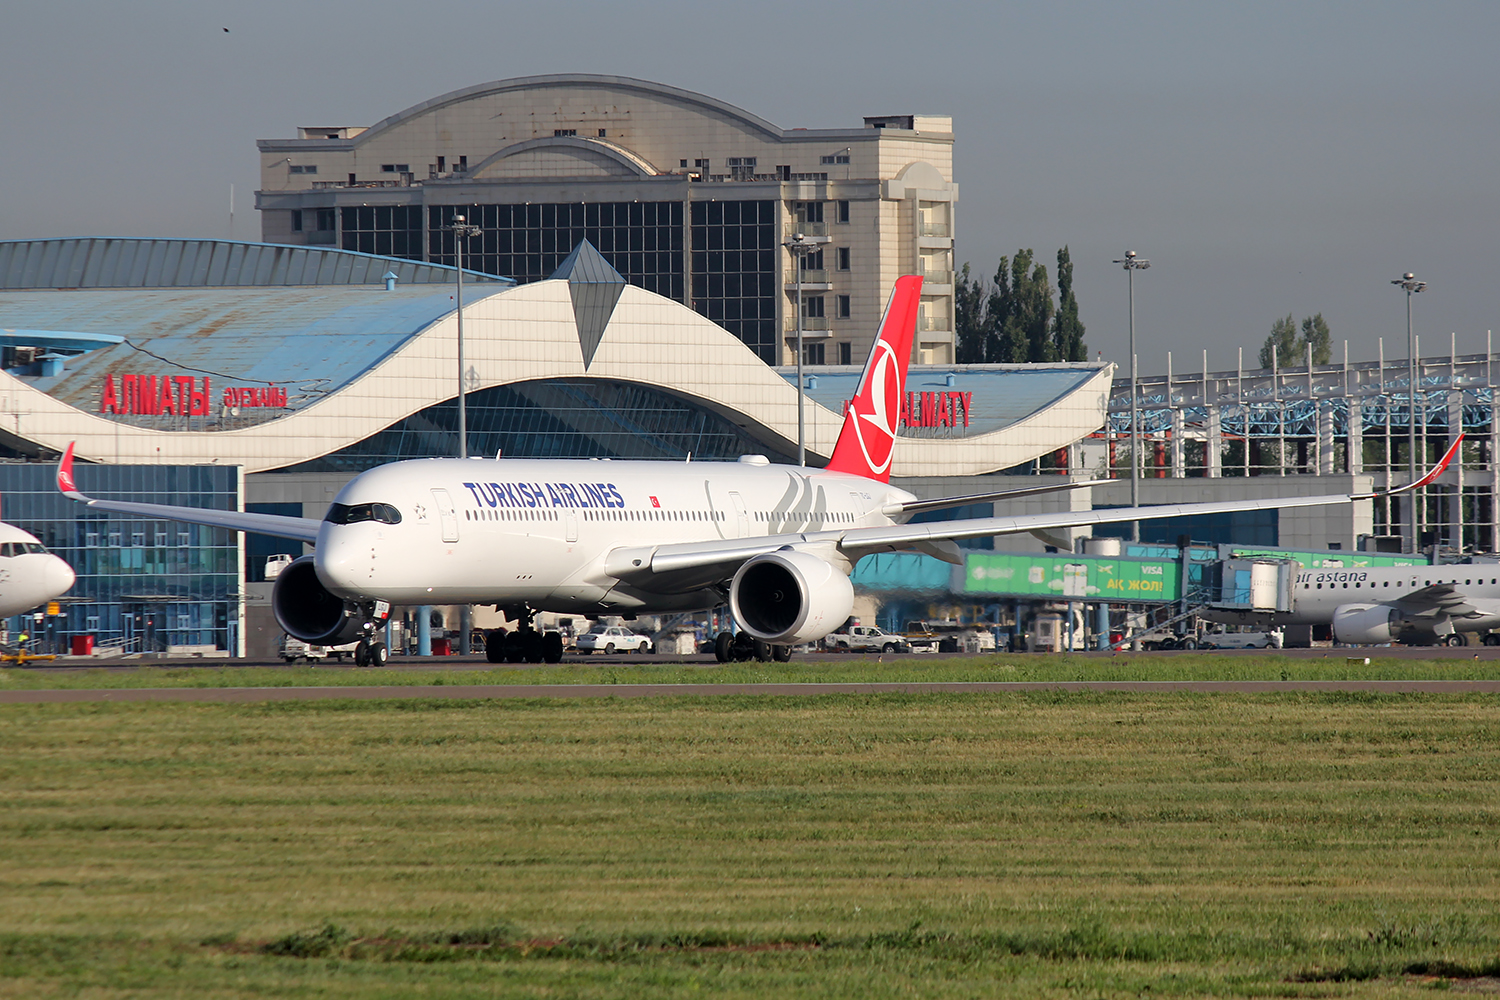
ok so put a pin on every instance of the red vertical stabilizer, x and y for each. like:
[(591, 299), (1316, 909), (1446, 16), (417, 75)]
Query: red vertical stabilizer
[(868, 438)]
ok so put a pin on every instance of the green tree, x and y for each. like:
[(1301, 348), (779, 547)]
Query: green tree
[(1315, 332), (1067, 329), (1012, 318), (970, 318), (1290, 346)]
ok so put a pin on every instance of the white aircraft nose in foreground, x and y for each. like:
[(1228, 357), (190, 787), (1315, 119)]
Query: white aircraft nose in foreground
[(775, 542), (30, 576)]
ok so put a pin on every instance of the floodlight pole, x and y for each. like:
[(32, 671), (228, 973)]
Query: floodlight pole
[(1409, 284), (799, 247), (1132, 264), (462, 230)]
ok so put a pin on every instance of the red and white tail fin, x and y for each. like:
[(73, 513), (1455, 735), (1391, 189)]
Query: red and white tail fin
[(868, 437)]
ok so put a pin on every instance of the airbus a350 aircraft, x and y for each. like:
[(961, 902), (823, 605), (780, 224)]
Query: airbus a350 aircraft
[(591, 537), (1421, 605), (30, 576)]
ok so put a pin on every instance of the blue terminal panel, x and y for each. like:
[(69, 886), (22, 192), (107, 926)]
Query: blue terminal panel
[(143, 584), (977, 399)]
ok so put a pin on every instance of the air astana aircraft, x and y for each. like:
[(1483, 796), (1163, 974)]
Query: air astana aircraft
[(29, 575), (776, 543), (1420, 605)]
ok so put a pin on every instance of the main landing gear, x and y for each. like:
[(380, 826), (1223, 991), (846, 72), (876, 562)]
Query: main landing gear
[(732, 648), (524, 644)]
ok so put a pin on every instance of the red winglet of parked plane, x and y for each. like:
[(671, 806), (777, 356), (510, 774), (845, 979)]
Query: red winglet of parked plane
[(1433, 473), (868, 438), (65, 483)]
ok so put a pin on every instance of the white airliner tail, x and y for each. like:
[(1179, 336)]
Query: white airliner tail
[(868, 438)]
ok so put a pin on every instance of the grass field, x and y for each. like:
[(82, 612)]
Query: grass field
[(1042, 844), (988, 667)]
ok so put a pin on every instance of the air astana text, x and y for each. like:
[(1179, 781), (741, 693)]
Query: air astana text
[(546, 494)]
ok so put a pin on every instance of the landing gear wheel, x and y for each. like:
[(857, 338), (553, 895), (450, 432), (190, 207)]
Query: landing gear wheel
[(532, 643), (724, 647), (781, 654), (552, 647), (1492, 639), (762, 651), (378, 654), (515, 648), (494, 646), (362, 654), (1453, 639), (744, 647)]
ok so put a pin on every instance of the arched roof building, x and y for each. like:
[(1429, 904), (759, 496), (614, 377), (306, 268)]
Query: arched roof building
[(208, 355), (683, 194)]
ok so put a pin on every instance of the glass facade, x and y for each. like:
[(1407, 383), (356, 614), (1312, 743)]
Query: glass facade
[(735, 270), (556, 418), (640, 239), (734, 249), (143, 584), (386, 230)]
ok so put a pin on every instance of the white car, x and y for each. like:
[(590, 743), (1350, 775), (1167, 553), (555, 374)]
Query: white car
[(1218, 639), (866, 639), (612, 639)]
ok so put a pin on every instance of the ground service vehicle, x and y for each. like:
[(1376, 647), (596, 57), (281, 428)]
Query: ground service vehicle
[(866, 639), (291, 650), (1220, 639), (612, 639)]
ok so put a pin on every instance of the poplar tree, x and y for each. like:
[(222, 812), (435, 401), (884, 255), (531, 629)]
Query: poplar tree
[(1067, 328), (1291, 346)]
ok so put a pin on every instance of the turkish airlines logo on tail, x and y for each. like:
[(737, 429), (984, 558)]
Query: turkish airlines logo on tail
[(867, 441), (877, 408)]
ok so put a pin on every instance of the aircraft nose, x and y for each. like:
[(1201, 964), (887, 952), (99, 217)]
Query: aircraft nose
[(337, 564), (60, 577)]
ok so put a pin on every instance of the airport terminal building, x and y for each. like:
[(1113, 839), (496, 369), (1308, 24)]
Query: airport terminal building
[(284, 371)]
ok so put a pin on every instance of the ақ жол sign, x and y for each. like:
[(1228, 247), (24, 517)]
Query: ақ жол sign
[(178, 395)]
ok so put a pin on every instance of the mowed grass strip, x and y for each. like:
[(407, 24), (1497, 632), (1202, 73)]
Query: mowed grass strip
[(896, 668), (1034, 844)]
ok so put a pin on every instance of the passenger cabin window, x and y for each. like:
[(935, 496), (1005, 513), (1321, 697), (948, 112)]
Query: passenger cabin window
[(340, 513)]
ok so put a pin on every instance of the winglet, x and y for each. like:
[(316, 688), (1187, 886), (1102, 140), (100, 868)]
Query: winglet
[(1433, 473), (868, 438), (65, 484)]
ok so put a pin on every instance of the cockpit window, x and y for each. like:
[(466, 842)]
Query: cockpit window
[(8, 549), (343, 513)]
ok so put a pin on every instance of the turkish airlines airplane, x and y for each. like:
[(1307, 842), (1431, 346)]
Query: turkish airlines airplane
[(29, 575), (1420, 605), (599, 537)]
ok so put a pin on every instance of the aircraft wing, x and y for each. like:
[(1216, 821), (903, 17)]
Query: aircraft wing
[(302, 529), (686, 565), (1437, 599)]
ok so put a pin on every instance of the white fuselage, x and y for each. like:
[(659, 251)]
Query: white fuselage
[(29, 575), (1320, 592), (538, 532)]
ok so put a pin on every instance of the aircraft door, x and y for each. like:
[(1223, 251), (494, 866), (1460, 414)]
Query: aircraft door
[(741, 519), (447, 516), (571, 520)]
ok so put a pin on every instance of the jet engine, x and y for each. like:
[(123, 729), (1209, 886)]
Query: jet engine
[(306, 610), (790, 597), (1366, 624)]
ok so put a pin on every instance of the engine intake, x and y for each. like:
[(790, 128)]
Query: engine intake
[(790, 597), (1366, 624), (306, 610)]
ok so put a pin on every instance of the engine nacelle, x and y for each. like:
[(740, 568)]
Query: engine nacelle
[(790, 597), (306, 610), (1366, 624)]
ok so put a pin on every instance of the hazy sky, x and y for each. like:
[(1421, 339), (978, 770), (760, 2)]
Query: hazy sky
[(1267, 157)]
